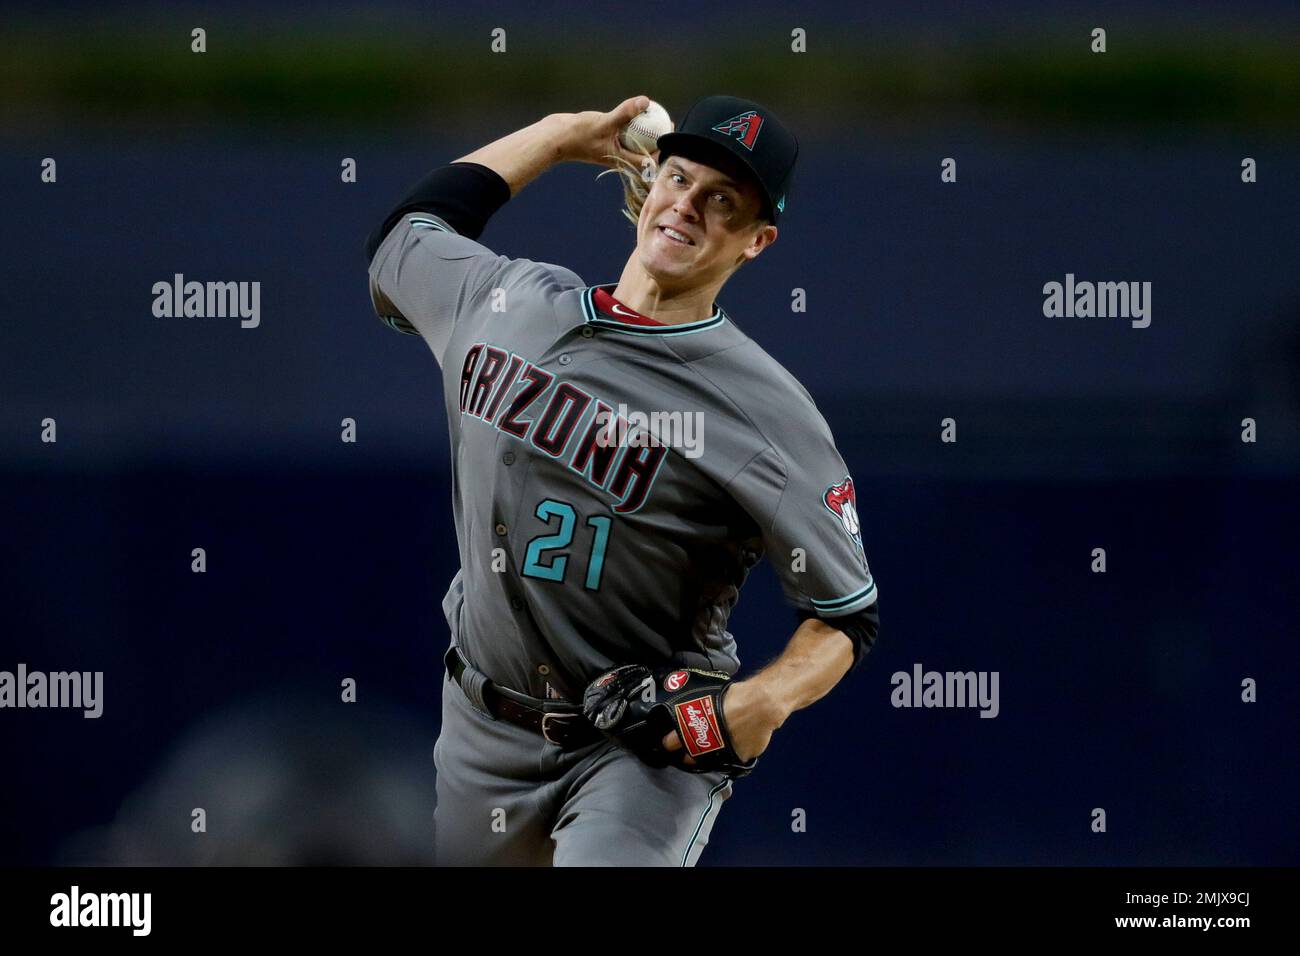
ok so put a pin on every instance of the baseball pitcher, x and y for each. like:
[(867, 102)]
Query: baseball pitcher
[(622, 456)]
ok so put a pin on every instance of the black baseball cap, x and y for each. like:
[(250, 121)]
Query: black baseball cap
[(745, 130)]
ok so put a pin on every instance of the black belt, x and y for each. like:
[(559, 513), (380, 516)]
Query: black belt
[(562, 724)]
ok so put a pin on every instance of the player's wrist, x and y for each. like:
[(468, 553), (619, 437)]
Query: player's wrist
[(760, 702), (561, 131)]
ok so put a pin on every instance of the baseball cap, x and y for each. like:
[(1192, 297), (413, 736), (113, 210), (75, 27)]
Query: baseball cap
[(745, 130)]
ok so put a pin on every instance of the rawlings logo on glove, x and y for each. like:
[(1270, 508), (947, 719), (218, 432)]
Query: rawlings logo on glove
[(698, 716), (638, 707)]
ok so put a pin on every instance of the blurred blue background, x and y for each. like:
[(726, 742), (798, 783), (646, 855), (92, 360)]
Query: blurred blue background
[(328, 560)]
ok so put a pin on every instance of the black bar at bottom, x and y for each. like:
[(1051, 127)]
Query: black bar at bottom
[(560, 907)]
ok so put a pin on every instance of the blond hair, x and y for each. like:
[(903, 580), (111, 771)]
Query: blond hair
[(636, 182)]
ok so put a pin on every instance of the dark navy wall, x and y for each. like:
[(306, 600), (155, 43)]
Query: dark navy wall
[(329, 560)]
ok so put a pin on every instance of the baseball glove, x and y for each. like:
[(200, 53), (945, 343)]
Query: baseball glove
[(637, 707)]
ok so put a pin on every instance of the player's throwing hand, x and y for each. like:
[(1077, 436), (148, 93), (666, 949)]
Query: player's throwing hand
[(642, 708), (592, 136), (751, 719)]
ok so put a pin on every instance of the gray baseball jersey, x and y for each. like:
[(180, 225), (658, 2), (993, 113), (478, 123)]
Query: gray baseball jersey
[(588, 538)]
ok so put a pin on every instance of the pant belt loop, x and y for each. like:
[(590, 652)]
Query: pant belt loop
[(473, 682)]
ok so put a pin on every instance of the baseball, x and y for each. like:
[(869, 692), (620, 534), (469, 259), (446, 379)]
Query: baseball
[(646, 127)]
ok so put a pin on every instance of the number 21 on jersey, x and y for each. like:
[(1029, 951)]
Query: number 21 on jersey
[(543, 561)]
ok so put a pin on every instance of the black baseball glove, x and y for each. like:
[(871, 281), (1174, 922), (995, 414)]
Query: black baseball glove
[(638, 707)]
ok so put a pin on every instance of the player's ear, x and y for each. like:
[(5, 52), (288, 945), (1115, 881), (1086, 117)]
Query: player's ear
[(762, 238)]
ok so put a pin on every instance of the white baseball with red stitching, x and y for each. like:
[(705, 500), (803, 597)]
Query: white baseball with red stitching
[(646, 128)]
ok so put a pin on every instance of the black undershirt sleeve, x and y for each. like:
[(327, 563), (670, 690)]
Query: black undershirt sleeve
[(860, 627), (463, 195)]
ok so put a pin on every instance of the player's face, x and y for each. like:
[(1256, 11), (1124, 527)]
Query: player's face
[(698, 224)]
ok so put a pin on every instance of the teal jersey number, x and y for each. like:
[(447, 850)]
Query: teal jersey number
[(536, 565), (533, 566), (596, 563)]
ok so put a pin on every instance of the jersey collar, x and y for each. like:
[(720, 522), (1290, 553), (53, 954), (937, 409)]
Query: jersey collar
[(597, 319)]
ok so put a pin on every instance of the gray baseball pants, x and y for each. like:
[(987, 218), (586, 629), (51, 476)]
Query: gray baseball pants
[(507, 797)]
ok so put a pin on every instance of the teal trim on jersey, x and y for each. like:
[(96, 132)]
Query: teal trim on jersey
[(592, 317), (703, 816), (850, 602), (400, 324)]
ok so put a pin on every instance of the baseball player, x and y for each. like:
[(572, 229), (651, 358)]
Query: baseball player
[(590, 716)]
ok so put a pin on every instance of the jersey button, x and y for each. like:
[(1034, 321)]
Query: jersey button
[(588, 331), (501, 529), (565, 359), (543, 669), (509, 459), (516, 604)]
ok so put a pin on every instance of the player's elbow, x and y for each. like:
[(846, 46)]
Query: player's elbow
[(862, 628)]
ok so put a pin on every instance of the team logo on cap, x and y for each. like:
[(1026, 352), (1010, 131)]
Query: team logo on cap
[(743, 128), (842, 501)]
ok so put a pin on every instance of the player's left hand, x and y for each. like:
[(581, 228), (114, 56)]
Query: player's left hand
[(638, 706), (750, 720)]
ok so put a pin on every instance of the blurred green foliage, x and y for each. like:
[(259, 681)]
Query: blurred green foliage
[(280, 76)]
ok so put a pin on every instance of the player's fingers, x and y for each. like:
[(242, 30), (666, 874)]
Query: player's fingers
[(624, 112), (612, 123), (612, 126), (672, 742)]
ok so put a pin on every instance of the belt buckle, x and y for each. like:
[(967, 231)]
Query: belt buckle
[(545, 734)]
